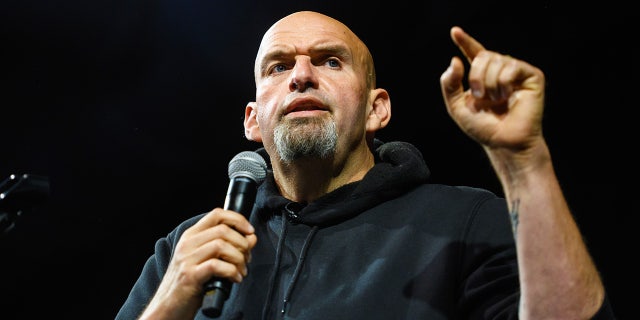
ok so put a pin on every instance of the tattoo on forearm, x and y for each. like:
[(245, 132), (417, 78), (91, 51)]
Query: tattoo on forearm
[(514, 214)]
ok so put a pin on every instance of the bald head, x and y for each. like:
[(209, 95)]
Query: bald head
[(305, 27)]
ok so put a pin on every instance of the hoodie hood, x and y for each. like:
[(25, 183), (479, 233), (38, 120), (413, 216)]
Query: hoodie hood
[(399, 166)]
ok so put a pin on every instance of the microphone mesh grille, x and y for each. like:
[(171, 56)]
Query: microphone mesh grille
[(249, 164)]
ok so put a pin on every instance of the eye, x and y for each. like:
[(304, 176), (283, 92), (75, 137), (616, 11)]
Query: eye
[(278, 68), (333, 63)]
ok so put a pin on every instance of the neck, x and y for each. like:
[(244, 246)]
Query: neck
[(307, 179)]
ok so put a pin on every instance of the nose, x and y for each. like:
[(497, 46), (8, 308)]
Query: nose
[(303, 75)]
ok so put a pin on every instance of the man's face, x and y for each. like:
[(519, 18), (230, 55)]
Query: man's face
[(310, 87)]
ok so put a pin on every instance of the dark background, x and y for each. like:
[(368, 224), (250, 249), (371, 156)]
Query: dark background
[(132, 110)]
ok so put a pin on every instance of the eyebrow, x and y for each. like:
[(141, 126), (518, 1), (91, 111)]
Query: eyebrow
[(332, 49), (338, 50)]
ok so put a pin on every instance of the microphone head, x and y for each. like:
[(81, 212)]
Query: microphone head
[(248, 164)]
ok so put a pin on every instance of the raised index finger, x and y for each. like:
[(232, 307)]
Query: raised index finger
[(467, 44)]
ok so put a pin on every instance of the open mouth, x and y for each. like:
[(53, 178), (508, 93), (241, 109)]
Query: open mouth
[(303, 106)]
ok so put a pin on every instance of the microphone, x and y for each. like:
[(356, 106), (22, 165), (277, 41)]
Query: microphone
[(246, 170)]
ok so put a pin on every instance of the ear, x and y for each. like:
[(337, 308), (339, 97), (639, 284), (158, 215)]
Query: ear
[(380, 112), (251, 127)]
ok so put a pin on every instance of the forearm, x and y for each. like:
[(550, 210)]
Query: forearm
[(176, 298), (558, 278), (167, 308)]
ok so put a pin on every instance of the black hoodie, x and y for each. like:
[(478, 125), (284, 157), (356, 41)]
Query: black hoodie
[(391, 246)]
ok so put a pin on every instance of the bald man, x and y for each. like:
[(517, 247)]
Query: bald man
[(346, 226)]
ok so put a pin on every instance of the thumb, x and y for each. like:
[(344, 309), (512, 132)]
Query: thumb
[(451, 81)]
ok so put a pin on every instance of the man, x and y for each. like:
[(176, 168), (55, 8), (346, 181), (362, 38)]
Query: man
[(347, 227)]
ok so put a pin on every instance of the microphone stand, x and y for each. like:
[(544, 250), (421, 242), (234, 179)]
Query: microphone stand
[(19, 194)]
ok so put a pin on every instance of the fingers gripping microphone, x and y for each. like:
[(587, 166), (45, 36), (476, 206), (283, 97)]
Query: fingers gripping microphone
[(246, 170)]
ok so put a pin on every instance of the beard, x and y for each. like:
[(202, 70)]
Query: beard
[(305, 137)]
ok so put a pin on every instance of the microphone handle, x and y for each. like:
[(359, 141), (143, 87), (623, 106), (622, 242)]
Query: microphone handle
[(240, 197)]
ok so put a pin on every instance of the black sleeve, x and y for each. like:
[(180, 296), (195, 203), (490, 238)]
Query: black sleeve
[(148, 281), (152, 273)]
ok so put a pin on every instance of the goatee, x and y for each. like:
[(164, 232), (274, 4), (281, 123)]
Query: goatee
[(305, 137)]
